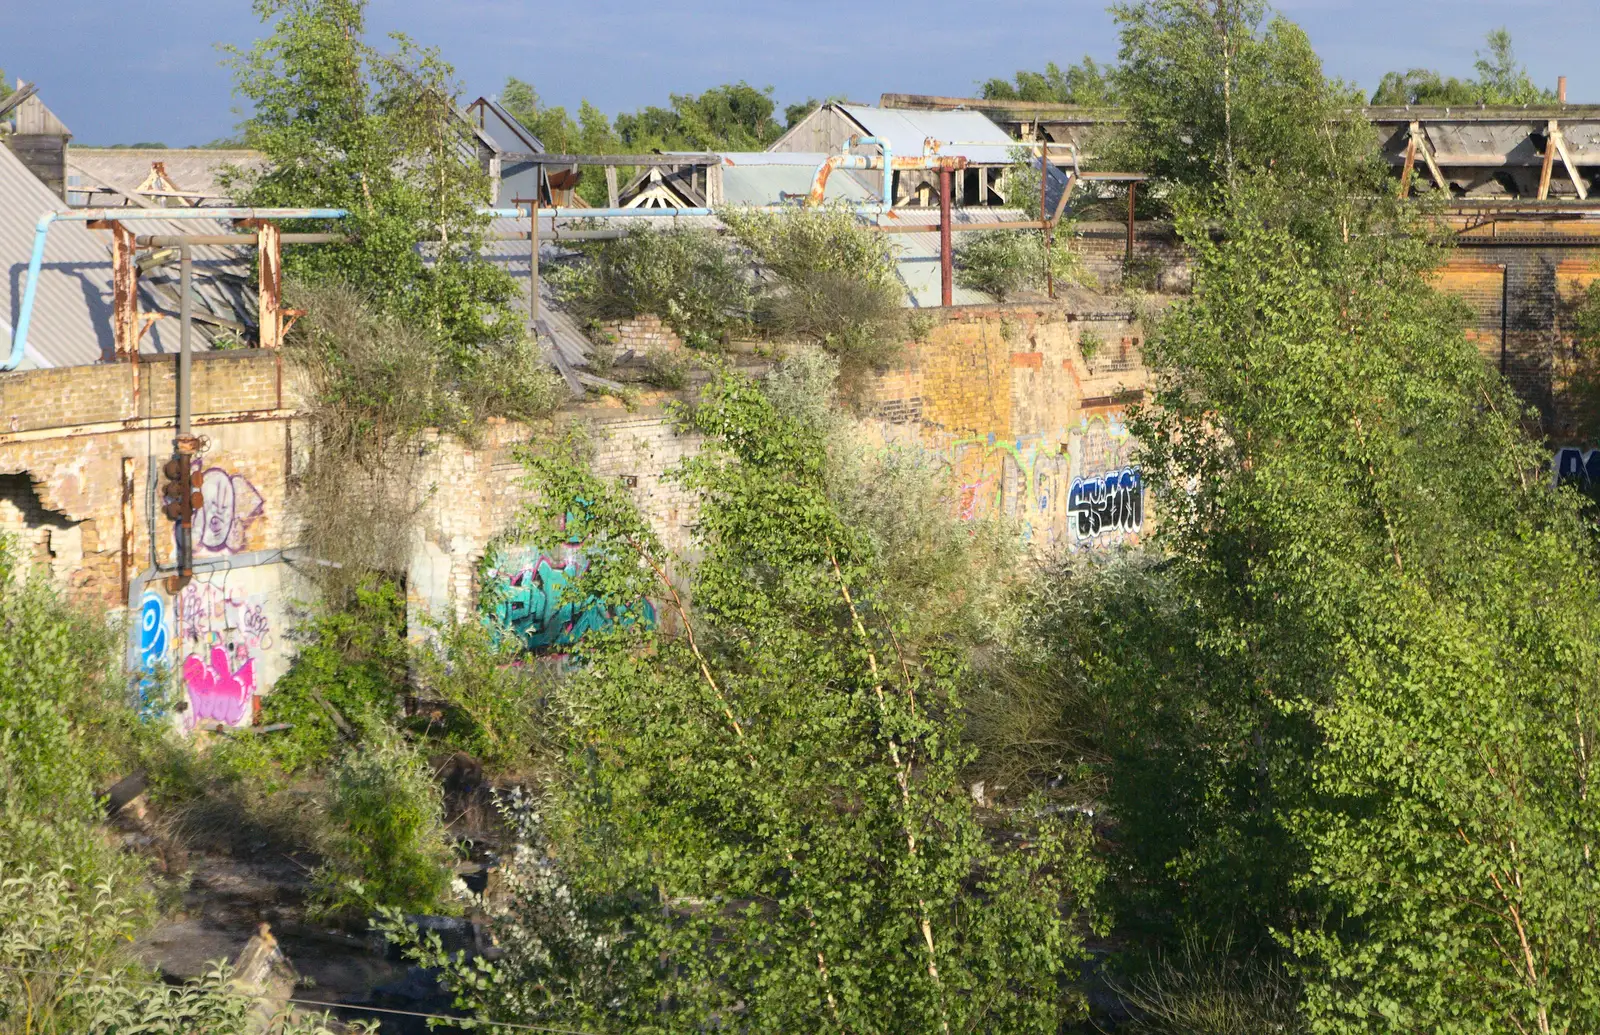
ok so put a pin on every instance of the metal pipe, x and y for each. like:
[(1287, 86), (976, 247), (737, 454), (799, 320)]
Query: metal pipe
[(946, 260), (19, 336), (184, 444), (923, 228), (533, 264), (1049, 237), (174, 240), (1132, 189), (888, 171), (185, 332)]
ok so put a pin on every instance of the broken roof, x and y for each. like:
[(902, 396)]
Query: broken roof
[(71, 322), (103, 176)]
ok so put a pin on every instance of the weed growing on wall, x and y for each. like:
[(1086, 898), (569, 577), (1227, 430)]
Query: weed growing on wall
[(686, 820), (347, 678), (835, 282), (688, 277), (408, 325), (1005, 263)]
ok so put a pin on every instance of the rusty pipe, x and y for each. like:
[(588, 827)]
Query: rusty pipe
[(819, 183), (947, 275)]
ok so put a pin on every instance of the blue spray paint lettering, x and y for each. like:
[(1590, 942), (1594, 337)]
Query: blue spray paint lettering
[(1108, 505), (153, 643)]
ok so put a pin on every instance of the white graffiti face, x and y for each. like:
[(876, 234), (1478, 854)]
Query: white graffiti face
[(231, 503)]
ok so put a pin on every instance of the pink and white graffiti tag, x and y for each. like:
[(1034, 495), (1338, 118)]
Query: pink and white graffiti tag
[(222, 631), (217, 691)]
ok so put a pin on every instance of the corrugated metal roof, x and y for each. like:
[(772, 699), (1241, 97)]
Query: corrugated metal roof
[(918, 258), (196, 170), (967, 133), (772, 184), (72, 308), (71, 322)]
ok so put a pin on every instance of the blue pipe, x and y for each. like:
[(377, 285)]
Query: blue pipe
[(19, 336), (888, 170)]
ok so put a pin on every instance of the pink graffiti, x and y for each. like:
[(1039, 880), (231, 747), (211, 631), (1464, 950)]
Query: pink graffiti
[(216, 690)]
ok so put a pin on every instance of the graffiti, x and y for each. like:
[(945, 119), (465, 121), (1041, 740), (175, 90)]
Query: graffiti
[(152, 632), (223, 631), (1578, 467), (1051, 485), (231, 505), (217, 690), (209, 614), (1112, 504), (153, 644), (530, 594)]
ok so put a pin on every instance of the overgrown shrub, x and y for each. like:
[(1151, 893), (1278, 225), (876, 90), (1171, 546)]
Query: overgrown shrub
[(485, 675), (1005, 263), (761, 820), (65, 968), (998, 262), (68, 727), (1206, 988), (373, 383), (686, 276), (387, 844), (350, 668), (837, 285)]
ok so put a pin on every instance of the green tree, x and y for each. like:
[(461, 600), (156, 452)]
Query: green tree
[(1085, 83), (762, 816), (1500, 81), (731, 117), (1214, 89), (346, 126)]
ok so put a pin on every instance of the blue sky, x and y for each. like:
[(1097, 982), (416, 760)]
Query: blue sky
[(117, 72)]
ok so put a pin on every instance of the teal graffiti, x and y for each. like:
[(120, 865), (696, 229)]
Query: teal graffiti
[(531, 600)]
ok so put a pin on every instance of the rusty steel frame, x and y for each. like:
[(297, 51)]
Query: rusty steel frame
[(946, 257)]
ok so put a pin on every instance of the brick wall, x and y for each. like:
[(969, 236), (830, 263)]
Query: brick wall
[(644, 333), (1029, 428)]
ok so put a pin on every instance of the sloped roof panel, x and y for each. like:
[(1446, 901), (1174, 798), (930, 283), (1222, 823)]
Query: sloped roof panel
[(968, 133)]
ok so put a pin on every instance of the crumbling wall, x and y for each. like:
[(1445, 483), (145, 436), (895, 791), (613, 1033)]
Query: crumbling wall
[(1025, 405)]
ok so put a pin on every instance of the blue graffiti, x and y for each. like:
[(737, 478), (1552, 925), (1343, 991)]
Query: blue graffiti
[(152, 646), (1579, 467), (533, 602), (1103, 506)]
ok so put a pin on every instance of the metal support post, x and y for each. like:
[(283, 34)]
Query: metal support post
[(1133, 190), (533, 262), (1049, 231), (269, 258), (946, 259)]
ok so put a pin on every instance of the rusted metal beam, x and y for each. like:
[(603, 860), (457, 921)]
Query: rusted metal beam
[(269, 255), (960, 228), (1132, 191), (947, 276), (117, 427), (173, 240), (128, 525), (124, 288)]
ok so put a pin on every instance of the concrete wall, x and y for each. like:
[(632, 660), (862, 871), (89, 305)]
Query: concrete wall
[(1030, 428)]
